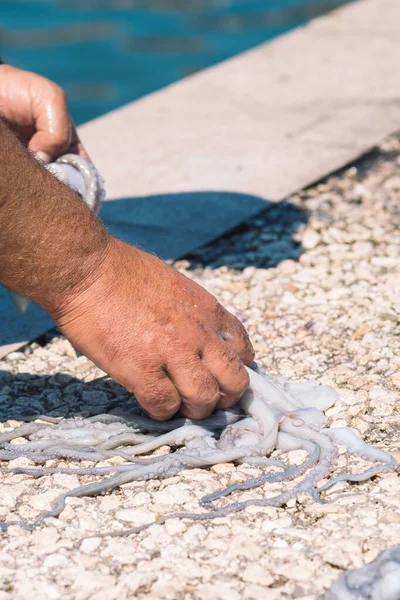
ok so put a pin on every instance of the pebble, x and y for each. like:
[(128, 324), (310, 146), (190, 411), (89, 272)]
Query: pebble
[(96, 398), (136, 517), (175, 526), (217, 592), (255, 573), (54, 560), (288, 267), (395, 380), (222, 468), (310, 239), (89, 545)]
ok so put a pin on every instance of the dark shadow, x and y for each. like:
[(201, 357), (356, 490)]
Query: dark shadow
[(175, 225), (25, 396), (171, 225), (217, 223), (263, 241)]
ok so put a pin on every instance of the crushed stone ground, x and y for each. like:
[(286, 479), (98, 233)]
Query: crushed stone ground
[(316, 281)]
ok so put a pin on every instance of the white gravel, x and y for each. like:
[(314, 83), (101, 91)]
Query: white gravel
[(317, 283)]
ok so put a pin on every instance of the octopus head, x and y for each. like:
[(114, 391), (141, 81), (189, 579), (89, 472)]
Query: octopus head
[(244, 433)]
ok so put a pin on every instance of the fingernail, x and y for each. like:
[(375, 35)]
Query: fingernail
[(42, 156)]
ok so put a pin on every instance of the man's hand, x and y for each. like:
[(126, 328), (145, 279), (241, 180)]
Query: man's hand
[(155, 331), (159, 334), (38, 109)]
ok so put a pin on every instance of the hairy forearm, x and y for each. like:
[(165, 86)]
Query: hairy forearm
[(51, 243)]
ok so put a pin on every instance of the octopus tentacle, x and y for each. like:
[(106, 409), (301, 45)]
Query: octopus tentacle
[(391, 467), (135, 473), (49, 444), (94, 186), (273, 393), (287, 475), (355, 445), (305, 486), (173, 438), (276, 415), (45, 418), (55, 453), (123, 439), (169, 466), (36, 473), (218, 420), (22, 431), (262, 461), (234, 507), (312, 395)]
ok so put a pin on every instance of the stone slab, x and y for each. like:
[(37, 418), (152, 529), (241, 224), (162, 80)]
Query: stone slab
[(266, 123), (184, 165)]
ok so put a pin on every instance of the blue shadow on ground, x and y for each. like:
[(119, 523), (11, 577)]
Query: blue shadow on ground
[(171, 226), (29, 397)]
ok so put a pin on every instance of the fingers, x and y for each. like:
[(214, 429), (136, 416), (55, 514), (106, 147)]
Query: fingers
[(158, 396), (54, 129), (38, 108), (196, 385), (76, 146), (229, 372), (215, 377), (233, 333)]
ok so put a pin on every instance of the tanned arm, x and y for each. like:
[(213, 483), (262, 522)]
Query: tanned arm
[(50, 241), (153, 330)]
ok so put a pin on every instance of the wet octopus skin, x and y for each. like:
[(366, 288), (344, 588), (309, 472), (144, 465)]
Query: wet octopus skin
[(277, 415), (377, 580)]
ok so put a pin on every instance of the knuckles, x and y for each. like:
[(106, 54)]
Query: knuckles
[(208, 400), (240, 382)]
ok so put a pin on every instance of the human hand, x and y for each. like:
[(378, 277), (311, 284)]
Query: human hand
[(159, 334), (38, 108)]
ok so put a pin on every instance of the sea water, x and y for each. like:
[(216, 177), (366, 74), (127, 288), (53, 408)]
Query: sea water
[(105, 53)]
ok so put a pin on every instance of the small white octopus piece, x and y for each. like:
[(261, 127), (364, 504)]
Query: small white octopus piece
[(377, 580)]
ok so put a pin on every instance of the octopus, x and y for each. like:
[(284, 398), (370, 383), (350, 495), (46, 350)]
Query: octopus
[(377, 580), (82, 176), (273, 414)]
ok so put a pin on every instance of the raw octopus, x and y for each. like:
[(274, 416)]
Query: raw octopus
[(272, 414), (377, 580)]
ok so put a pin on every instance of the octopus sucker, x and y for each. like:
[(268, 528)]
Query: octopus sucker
[(355, 445), (272, 415), (24, 430), (360, 477), (287, 475)]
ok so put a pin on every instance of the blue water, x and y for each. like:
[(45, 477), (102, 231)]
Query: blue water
[(105, 53)]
